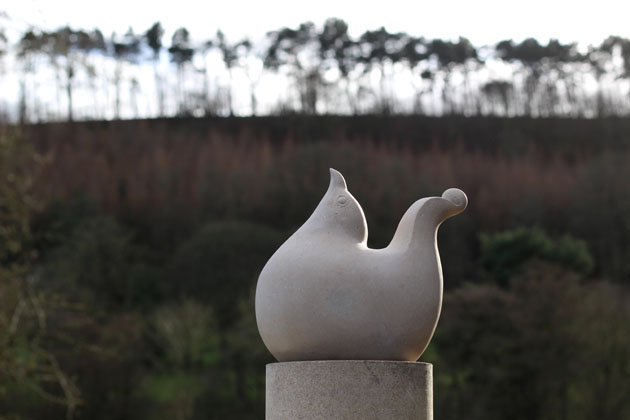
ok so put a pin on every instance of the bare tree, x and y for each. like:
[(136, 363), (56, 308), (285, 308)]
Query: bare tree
[(540, 66), (61, 46), (618, 48), (153, 37), (181, 53), (94, 46), (68, 49), (382, 49), (29, 46), (598, 60), (498, 94), (337, 50), (251, 64), (230, 58), (296, 50), (453, 57), (4, 47), (125, 50), (416, 53)]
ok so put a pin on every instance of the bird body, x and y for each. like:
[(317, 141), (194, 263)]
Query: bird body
[(325, 295)]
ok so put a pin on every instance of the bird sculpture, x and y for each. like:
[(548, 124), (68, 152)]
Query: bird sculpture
[(324, 295)]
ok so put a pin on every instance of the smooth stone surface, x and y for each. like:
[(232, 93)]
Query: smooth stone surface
[(325, 295), (349, 390)]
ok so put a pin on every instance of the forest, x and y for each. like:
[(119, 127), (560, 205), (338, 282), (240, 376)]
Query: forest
[(123, 296), (146, 178), (72, 73)]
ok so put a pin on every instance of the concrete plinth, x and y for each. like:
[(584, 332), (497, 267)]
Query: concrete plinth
[(349, 390)]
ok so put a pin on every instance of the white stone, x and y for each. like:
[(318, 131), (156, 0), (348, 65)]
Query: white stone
[(324, 295)]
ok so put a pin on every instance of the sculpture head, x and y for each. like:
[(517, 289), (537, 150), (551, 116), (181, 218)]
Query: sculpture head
[(339, 213)]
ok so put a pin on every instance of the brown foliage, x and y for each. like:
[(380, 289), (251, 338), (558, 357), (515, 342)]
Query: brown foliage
[(150, 165)]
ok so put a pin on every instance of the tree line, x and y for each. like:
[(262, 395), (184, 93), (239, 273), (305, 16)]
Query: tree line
[(82, 74)]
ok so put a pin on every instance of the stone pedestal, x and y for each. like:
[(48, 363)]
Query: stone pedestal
[(349, 390)]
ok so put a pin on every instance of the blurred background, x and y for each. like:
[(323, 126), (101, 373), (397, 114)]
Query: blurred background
[(153, 157)]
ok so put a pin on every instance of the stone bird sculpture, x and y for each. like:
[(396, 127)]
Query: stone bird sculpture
[(324, 295)]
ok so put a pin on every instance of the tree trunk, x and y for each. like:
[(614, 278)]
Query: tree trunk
[(253, 99), (117, 77), (69, 77), (22, 103), (229, 93), (158, 88)]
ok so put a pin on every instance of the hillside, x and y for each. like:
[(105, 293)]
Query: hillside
[(147, 238)]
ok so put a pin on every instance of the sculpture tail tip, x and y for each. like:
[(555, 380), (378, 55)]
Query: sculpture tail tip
[(456, 197)]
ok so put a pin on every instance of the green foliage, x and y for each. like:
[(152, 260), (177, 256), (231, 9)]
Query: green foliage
[(602, 213), (200, 371), (186, 335), (532, 351), (220, 263), (236, 387), (96, 258), (30, 372), (504, 253), (55, 224), (16, 201), (172, 395)]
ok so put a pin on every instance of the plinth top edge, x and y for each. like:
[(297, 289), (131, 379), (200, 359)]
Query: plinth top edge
[(350, 362)]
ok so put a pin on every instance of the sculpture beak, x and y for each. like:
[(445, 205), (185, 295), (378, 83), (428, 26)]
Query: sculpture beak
[(337, 180)]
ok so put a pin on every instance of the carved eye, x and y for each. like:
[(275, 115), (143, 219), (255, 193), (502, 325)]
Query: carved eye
[(342, 200)]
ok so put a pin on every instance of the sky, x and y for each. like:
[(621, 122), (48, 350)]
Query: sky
[(483, 21)]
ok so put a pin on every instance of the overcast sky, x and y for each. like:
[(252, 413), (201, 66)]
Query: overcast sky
[(483, 22)]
